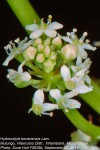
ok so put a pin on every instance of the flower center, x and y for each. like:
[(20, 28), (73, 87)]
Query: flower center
[(37, 109)]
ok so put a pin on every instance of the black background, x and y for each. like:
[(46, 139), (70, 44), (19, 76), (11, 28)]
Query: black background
[(14, 102)]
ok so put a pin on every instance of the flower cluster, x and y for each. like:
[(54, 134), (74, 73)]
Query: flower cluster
[(56, 64)]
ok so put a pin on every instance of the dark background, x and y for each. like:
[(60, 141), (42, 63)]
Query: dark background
[(14, 102)]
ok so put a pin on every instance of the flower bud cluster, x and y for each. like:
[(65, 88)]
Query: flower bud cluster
[(58, 65)]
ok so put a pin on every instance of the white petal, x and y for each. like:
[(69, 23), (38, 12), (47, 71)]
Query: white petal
[(50, 32), (71, 103), (70, 94), (32, 27), (26, 44), (25, 76), (81, 89), (11, 73), (22, 42), (36, 34), (55, 26), (20, 68), (75, 68), (38, 97), (8, 59), (56, 94), (89, 47), (67, 39), (49, 107), (84, 54), (78, 76), (65, 73), (88, 80), (79, 60), (86, 64)]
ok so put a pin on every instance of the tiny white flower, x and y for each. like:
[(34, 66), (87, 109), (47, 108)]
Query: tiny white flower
[(38, 105), (49, 29), (65, 101), (85, 65), (75, 83), (80, 45), (13, 75), (13, 51)]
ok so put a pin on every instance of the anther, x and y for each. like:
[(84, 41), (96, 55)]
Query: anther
[(74, 30)]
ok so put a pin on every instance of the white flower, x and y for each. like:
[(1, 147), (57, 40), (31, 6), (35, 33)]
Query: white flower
[(80, 44), (13, 51), (49, 29), (85, 65), (75, 83), (15, 76), (38, 105), (65, 101)]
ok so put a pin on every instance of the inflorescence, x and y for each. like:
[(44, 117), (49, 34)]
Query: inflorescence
[(56, 64)]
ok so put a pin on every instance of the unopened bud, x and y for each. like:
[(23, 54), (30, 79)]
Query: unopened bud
[(53, 55), (29, 53), (69, 52), (40, 47), (49, 65), (47, 41), (40, 58), (57, 42), (37, 42), (47, 51)]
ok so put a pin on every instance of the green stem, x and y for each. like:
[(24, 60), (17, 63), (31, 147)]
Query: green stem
[(93, 98), (81, 123), (23, 11)]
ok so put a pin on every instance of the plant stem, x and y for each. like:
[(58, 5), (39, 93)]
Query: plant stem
[(23, 11), (81, 123), (93, 98)]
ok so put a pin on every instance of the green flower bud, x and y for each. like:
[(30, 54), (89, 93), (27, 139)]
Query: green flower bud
[(53, 47), (69, 52), (49, 65), (47, 51), (47, 41), (37, 42), (40, 58), (57, 42), (53, 55), (40, 47), (29, 53)]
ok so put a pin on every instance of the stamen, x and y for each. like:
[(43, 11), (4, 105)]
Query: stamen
[(87, 41), (83, 37), (17, 40), (29, 110), (85, 34), (49, 19), (68, 34), (49, 114), (11, 42), (74, 30)]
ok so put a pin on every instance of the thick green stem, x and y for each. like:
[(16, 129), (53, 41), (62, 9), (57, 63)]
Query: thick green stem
[(81, 123), (93, 98), (23, 11)]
